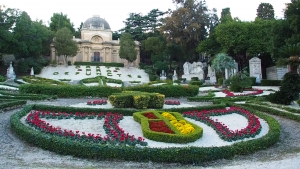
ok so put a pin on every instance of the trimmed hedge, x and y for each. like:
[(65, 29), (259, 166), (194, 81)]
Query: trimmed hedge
[(69, 91), (111, 64), (185, 155), (10, 95), (265, 82), (41, 80), (8, 103), (177, 137), (167, 90)]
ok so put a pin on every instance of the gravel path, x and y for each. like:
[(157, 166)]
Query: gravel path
[(14, 153)]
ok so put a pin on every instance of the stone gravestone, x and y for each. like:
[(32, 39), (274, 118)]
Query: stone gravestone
[(174, 77), (10, 72), (32, 71), (255, 68), (163, 75), (212, 76), (193, 70)]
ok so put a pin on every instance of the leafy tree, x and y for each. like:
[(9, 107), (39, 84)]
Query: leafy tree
[(187, 25), (64, 44), (222, 61), (127, 48), (154, 45), (78, 31), (59, 21), (225, 15), (265, 11), (292, 15), (8, 18), (28, 43)]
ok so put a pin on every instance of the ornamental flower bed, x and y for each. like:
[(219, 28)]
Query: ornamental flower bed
[(165, 127), (172, 102), (97, 102), (160, 126), (149, 115), (114, 133), (253, 128), (180, 125), (231, 94)]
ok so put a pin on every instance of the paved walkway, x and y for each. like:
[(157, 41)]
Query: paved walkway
[(14, 153)]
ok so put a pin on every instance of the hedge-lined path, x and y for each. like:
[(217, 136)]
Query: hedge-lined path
[(15, 153)]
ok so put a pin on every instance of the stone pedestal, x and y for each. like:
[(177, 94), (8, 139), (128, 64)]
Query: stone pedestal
[(189, 76)]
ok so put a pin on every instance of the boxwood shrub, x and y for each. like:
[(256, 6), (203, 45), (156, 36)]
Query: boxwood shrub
[(111, 64)]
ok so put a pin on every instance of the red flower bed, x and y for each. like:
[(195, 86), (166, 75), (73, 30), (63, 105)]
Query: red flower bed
[(172, 102), (253, 128), (114, 133), (97, 102), (231, 94), (160, 126), (149, 115)]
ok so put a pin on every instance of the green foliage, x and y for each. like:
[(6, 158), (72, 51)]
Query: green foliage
[(266, 82), (167, 90), (239, 81), (177, 137), (8, 18), (127, 48), (225, 15), (153, 77), (220, 81), (32, 38), (41, 80), (136, 99), (68, 91), (24, 66), (265, 11), (189, 30), (195, 82), (64, 44), (289, 90), (6, 104), (2, 78), (221, 62), (59, 21)]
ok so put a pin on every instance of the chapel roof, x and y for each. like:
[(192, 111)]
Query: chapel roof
[(96, 22)]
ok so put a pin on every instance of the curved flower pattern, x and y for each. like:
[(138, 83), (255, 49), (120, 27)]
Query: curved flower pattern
[(115, 134), (253, 128), (231, 94)]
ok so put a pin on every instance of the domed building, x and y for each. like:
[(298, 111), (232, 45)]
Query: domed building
[(96, 44)]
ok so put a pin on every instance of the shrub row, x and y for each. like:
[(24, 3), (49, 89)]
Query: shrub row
[(8, 103), (265, 82), (168, 90), (69, 90), (185, 155), (111, 64), (41, 80), (105, 91), (10, 95), (136, 99)]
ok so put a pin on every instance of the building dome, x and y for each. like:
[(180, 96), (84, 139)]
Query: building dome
[(96, 22)]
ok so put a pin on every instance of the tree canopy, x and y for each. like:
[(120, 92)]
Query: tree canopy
[(8, 18), (265, 11), (64, 44), (127, 48), (59, 21), (187, 25)]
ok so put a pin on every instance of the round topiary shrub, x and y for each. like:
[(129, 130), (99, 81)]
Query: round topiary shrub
[(2, 78)]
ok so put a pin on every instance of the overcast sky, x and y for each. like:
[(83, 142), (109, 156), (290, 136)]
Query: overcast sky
[(116, 11)]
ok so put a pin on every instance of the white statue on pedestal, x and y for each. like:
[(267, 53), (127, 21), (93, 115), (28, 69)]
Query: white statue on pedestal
[(186, 69), (32, 71)]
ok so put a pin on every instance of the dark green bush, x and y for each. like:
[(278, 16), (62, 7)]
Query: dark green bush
[(2, 78), (195, 78), (110, 64), (239, 81), (194, 82), (265, 82), (220, 81), (253, 80), (289, 90), (153, 77)]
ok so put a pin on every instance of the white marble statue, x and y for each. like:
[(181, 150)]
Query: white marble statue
[(186, 69), (31, 71)]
